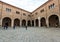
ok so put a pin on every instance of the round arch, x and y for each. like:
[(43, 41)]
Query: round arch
[(16, 22), (43, 22), (32, 22), (37, 22), (29, 23), (6, 21), (53, 21), (23, 22)]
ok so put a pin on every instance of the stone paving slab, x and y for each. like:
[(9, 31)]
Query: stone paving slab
[(33, 34)]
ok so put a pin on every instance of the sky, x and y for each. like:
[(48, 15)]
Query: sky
[(29, 5)]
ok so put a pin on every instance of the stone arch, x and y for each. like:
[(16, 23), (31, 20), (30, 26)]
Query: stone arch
[(23, 22), (53, 21), (6, 21), (43, 22), (32, 22), (37, 22), (16, 22), (29, 23)]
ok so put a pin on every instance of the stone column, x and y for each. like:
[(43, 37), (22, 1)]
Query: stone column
[(59, 21), (12, 23), (31, 22), (26, 23), (47, 23), (0, 22), (34, 23), (20, 23), (39, 22)]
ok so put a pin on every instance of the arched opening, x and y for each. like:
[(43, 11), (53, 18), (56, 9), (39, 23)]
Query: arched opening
[(53, 21), (37, 22), (29, 23), (32, 22), (16, 22), (43, 22), (6, 21), (23, 23)]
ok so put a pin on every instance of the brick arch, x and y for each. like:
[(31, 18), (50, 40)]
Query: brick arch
[(51, 15), (23, 22), (37, 22), (6, 21), (29, 23), (32, 22), (16, 22), (43, 21), (53, 20)]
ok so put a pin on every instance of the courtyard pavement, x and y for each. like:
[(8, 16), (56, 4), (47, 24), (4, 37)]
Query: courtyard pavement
[(32, 34)]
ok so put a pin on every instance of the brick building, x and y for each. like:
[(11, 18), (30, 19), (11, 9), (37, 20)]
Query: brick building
[(47, 14)]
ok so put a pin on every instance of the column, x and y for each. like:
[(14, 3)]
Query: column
[(0, 22), (26, 23), (34, 23), (12, 23), (59, 21), (31, 22), (20, 23), (47, 22), (39, 22)]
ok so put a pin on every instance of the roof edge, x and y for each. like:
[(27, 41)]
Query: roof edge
[(15, 6), (42, 5)]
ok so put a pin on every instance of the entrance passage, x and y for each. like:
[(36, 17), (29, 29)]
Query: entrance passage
[(32, 22), (37, 23), (53, 21), (6, 21), (23, 22), (43, 22), (17, 22), (29, 23)]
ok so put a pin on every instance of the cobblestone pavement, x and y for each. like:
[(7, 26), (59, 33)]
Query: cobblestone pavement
[(32, 34)]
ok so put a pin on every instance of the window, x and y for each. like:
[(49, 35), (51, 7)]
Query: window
[(52, 6), (17, 12), (8, 10), (24, 14), (36, 13), (29, 15), (42, 10), (32, 15)]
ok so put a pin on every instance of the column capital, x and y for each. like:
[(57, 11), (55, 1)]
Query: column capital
[(38, 18)]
